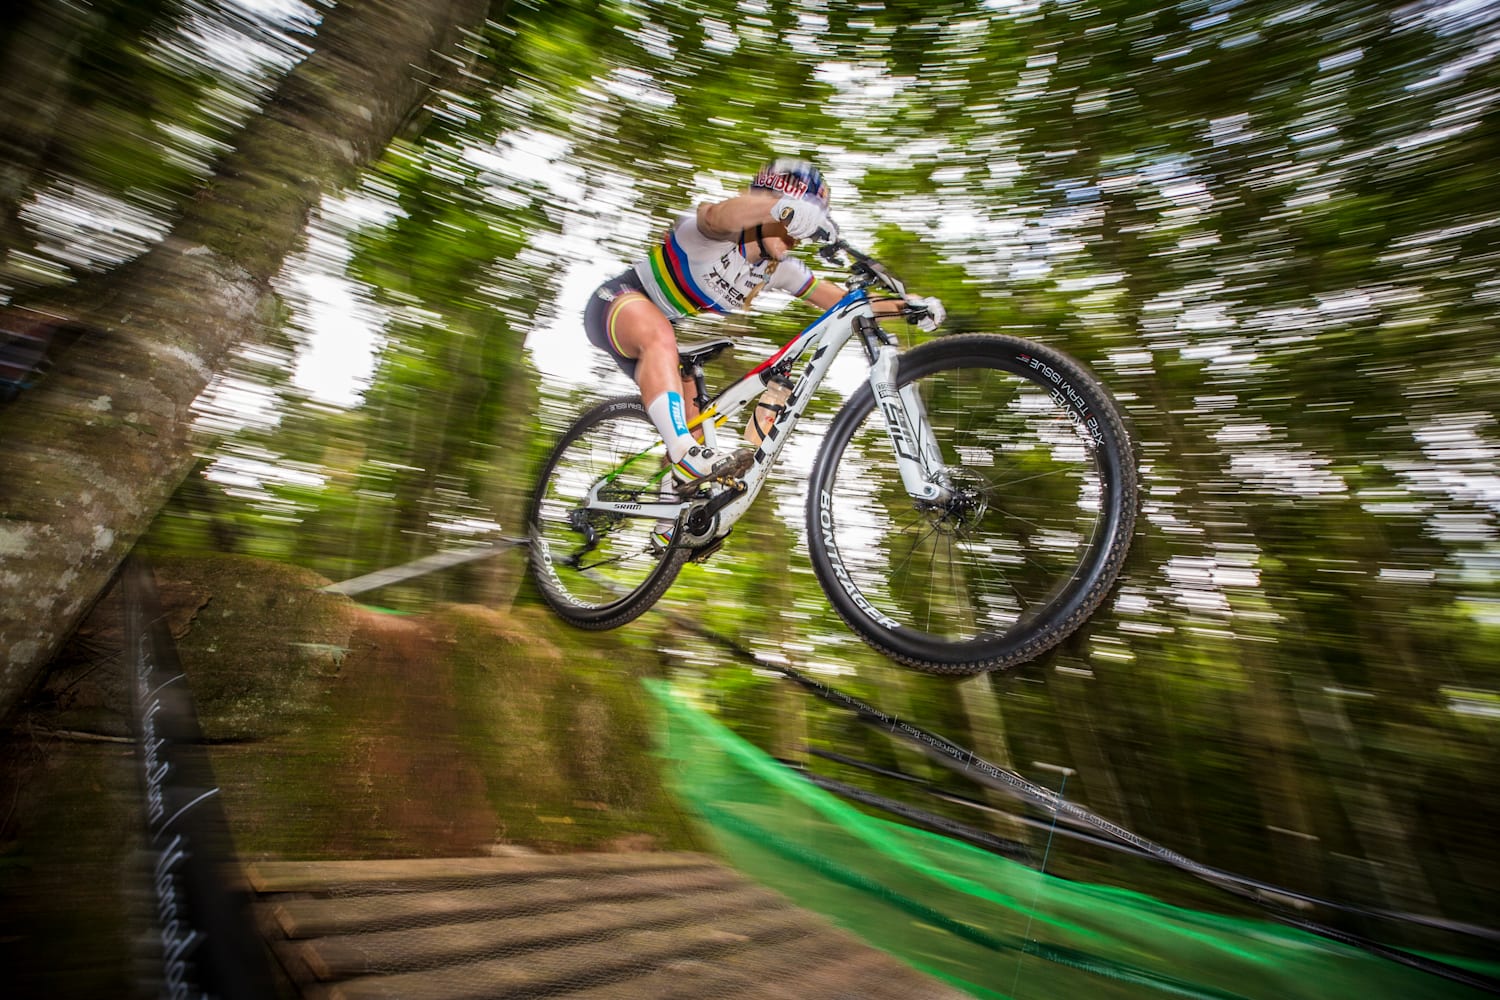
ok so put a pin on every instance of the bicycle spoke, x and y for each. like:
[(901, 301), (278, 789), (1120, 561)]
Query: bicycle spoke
[(597, 567), (1024, 510), (584, 568), (1009, 483)]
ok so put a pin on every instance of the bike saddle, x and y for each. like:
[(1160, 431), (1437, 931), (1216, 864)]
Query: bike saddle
[(701, 352)]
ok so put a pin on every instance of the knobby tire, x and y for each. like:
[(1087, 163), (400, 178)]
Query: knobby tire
[(1037, 532), (621, 578)]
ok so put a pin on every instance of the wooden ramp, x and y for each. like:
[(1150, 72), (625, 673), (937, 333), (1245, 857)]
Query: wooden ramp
[(581, 927)]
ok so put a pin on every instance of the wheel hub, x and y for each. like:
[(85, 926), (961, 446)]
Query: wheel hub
[(965, 506)]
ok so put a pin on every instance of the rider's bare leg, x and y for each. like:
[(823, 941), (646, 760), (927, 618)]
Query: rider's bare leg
[(640, 331)]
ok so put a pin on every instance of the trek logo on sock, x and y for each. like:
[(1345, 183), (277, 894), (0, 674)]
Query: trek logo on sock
[(678, 414)]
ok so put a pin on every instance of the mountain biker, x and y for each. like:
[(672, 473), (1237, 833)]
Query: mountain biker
[(716, 259)]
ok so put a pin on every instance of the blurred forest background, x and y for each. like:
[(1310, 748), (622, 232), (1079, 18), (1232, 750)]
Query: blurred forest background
[(1269, 226)]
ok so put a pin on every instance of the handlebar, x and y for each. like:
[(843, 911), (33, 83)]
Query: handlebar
[(865, 271)]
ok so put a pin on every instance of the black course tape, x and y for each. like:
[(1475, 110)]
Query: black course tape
[(965, 761), (1371, 913), (958, 758), (1012, 849), (207, 944)]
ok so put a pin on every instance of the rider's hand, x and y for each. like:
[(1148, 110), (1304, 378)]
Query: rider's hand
[(804, 220), (930, 314)]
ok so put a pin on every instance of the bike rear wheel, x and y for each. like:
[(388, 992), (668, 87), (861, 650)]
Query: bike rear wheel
[(599, 570), (1043, 507)]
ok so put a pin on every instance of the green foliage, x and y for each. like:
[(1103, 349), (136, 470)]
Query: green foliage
[(1268, 227), (116, 110)]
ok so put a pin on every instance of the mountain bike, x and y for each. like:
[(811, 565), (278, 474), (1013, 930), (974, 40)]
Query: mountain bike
[(970, 506)]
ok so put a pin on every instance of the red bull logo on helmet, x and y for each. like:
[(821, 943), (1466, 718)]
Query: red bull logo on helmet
[(793, 177)]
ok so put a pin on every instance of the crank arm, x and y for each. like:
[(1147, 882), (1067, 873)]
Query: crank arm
[(701, 519)]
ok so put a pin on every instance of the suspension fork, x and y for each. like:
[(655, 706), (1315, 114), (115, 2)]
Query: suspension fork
[(923, 472)]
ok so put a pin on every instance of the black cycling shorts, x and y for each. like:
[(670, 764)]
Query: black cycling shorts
[(599, 315)]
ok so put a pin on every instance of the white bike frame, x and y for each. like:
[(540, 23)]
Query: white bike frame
[(916, 451)]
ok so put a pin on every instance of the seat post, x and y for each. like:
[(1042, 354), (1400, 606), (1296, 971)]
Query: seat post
[(695, 371), (690, 361)]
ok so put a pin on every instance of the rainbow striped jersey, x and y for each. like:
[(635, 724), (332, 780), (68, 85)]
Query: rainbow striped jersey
[(688, 273)]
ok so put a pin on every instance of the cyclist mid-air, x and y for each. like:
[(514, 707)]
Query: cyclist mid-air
[(969, 505), (715, 259)]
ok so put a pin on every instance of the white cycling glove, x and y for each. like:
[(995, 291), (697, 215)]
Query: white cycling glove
[(934, 312), (804, 220)]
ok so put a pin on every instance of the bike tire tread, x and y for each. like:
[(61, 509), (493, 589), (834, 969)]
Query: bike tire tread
[(1108, 566), (644, 597)]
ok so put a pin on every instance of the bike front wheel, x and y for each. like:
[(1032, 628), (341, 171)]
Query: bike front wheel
[(599, 570), (1042, 507)]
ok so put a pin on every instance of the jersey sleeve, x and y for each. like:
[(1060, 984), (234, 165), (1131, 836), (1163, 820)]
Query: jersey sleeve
[(691, 238), (794, 277)]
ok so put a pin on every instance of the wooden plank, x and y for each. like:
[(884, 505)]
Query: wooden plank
[(831, 965), (869, 975), (560, 968), (342, 956), (293, 963), (647, 926), (307, 918), (753, 972), (383, 875)]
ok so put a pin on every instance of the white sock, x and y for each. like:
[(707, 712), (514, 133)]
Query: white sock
[(670, 417)]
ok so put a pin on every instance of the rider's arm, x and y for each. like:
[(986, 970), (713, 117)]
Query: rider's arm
[(794, 277), (723, 220), (826, 294)]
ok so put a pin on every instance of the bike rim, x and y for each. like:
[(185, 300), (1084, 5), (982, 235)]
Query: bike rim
[(622, 456), (1022, 537)]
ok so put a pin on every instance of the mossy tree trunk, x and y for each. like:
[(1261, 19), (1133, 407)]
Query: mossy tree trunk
[(986, 722), (94, 452), (507, 486)]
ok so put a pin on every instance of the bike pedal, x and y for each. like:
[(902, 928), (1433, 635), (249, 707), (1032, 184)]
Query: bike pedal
[(728, 475)]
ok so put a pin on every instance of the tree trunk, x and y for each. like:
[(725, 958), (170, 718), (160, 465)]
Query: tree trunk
[(94, 451), (40, 43), (1383, 831), (981, 707), (507, 487)]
